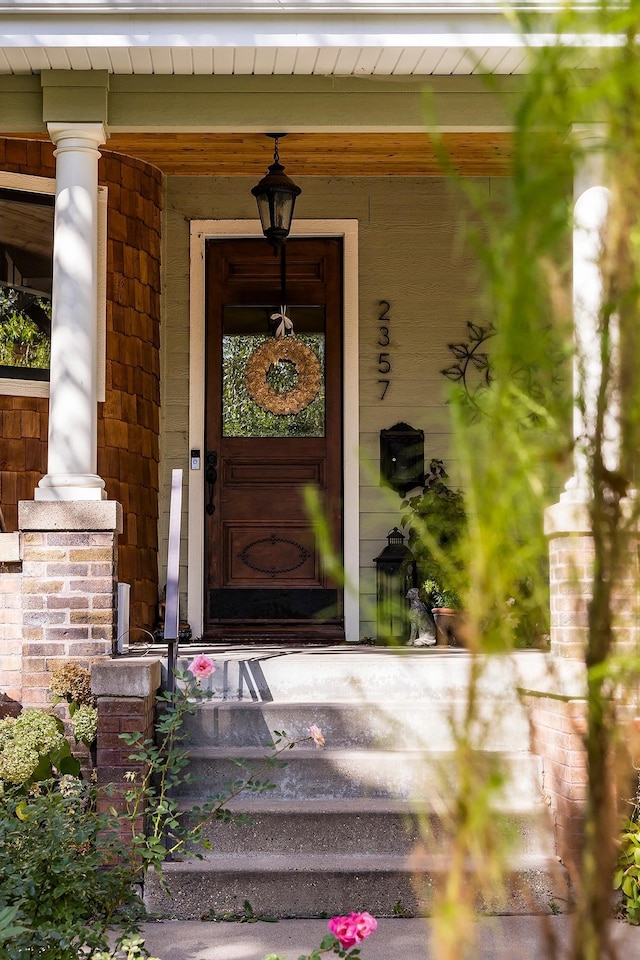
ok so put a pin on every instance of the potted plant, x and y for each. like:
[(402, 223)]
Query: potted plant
[(436, 522)]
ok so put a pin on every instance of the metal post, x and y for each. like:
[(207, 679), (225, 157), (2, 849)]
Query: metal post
[(172, 609)]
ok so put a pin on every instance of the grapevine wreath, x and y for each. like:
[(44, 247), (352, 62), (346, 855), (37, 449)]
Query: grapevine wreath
[(307, 368)]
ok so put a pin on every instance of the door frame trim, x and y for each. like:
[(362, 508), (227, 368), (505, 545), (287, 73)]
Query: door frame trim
[(200, 232)]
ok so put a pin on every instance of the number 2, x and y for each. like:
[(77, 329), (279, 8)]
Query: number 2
[(383, 315)]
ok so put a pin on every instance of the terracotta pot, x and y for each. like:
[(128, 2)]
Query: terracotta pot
[(449, 626)]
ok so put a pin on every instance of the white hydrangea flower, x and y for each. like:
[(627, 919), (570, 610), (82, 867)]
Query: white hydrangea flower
[(70, 786), (17, 762), (7, 730), (85, 724), (38, 730)]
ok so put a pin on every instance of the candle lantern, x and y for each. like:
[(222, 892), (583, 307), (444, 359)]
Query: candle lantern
[(395, 574)]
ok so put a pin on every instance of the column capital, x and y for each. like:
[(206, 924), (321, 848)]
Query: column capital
[(594, 134), (77, 136), (591, 139)]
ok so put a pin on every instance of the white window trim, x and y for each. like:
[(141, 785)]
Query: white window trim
[(23, 387), (201, 231)]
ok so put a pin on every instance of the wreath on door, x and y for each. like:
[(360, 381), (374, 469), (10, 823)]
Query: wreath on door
[(307, 369)]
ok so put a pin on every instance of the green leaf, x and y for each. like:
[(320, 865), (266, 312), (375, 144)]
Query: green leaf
[(70, 765), (628, 886), (42, 771)]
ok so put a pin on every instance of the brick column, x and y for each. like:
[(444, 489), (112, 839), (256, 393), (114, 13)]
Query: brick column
[(10, 624), (558, 724), (126, 692), (69, 586), (571, 557)]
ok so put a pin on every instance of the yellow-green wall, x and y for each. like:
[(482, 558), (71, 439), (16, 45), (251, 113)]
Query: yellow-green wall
[(411, 252)]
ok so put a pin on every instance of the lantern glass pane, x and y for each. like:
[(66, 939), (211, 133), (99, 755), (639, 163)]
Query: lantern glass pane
[(282, 210), (263, 211)]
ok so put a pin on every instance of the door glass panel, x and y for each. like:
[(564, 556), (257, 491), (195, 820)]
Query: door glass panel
[(244, 330)]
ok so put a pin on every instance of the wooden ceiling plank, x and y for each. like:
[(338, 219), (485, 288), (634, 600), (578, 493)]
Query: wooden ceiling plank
[(306, 59), (223, 60), (141, 60), (182, 61), (309, 155), (244, 61), (58, 58), (265, 59)]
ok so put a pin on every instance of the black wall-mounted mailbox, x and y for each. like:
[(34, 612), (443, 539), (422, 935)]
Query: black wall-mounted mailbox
[(402, 457)]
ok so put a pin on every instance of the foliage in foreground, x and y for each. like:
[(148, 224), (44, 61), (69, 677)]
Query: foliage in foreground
[(68, 884), (60, 885), (517, 453)]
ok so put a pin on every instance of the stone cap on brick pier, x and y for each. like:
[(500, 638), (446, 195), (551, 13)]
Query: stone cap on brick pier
[(131, 677), (84, 515)]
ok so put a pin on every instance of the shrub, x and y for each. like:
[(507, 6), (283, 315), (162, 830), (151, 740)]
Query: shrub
[(54, 882)]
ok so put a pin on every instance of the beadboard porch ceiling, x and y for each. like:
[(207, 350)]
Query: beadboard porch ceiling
[(479, 154)]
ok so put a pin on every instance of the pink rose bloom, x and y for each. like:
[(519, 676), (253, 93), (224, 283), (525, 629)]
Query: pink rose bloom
[(201, 667), (316, 735), (353, 929)]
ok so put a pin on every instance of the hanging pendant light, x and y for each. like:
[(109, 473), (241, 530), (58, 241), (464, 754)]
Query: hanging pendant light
[(276, 197)]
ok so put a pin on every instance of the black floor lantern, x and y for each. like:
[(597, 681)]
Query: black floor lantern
[(395, 575)]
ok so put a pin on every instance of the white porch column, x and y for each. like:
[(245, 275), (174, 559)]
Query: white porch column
[(567, 523), (590, 215), (72, 453)]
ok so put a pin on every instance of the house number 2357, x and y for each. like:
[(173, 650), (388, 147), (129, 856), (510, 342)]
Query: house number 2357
[(384, 361)]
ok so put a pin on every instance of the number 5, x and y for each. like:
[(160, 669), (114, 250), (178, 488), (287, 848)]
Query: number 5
[(383, 364)]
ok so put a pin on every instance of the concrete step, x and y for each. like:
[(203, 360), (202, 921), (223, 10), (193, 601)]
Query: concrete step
[(389, 724), (368, 826), (284, 885), (321, 674), (354, 825), (322, 774)]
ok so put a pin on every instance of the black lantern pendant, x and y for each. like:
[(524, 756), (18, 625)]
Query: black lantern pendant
[(276, 197), (395, 574)]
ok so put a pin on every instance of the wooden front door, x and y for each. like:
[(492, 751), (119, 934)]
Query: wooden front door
[(264, 573)]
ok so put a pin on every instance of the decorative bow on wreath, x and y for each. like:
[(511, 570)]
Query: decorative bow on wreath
[(285, 327)]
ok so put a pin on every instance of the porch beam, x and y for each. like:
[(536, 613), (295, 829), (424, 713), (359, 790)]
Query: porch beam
[(308, 104), (240, 104)]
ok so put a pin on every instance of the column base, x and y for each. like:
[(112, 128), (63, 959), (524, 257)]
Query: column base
[(70, 487)]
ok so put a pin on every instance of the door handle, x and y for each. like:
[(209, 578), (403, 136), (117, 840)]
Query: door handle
[(211, 475)]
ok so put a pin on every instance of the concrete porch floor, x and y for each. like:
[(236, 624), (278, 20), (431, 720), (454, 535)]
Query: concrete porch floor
[(499, 938)]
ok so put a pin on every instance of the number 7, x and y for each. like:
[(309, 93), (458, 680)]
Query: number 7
[(386, 387)]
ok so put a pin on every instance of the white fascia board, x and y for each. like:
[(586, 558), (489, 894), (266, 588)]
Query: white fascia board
[(301, 7), (443, 30)]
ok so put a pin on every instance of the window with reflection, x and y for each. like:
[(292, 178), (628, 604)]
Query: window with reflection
[(244, 329), (26, 269)]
